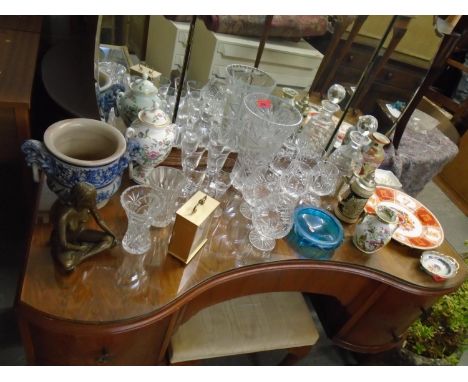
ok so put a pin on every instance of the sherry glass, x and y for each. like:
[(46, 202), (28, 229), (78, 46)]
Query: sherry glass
[(218, 187), (140, 204), (191, 160), (272, 219), (194, 180)]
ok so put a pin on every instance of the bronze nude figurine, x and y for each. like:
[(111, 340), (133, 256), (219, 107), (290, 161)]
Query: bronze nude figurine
[(71, 241)]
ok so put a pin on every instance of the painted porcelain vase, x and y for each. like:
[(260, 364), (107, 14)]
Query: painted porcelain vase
[(79, 150), (142, 95), (152, 136), (375, 231)]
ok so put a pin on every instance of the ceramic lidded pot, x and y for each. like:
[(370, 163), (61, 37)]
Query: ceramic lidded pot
[(375, 231), (375, 155), (80, 150), (152, 136), (143, 95)]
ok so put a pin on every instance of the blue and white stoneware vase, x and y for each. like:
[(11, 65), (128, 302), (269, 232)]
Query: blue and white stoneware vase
[(142, 95), (151, 136), (375, 231), (80, 150)]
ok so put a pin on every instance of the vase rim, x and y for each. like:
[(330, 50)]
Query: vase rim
[(112, 135)]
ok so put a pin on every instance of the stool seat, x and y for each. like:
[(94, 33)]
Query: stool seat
[(244, 325)]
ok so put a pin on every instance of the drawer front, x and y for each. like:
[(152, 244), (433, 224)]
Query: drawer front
[(399, 78), (302, 59), (287, 68), (136, 347)]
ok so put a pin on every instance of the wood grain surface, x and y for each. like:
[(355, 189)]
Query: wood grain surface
[(96, 292), (18, 52)]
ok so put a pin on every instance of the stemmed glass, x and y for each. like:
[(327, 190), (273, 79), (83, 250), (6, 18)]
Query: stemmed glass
[(272, 219), (255, 189), (195, 179), (218, 187), (323, 179), (296, 180), (140, 204)]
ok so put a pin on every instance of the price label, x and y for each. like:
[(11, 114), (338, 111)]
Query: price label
[(264, 103)]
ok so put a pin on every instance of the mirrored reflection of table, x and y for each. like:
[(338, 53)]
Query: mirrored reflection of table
[(122, 309)]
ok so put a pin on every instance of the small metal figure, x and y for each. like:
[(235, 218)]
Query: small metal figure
[(71, 241)]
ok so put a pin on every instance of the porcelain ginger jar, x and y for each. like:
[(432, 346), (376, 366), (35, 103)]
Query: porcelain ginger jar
[(80, 150), (142, 95), (151, 136), (375, 231)]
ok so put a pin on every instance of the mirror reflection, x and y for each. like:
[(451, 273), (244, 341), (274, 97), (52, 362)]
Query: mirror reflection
[(343, 73)]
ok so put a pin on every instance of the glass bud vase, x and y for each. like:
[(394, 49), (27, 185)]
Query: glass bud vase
[(139, 203)]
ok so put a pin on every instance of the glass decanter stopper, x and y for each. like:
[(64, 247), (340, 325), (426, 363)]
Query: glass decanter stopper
[(366, 125), (336, 93)]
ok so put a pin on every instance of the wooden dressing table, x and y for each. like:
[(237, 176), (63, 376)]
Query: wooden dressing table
[(92, 317)]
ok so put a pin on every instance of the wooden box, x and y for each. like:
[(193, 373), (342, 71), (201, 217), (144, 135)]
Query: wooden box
[(191, 226)]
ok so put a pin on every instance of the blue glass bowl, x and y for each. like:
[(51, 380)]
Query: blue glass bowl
[(316, 233)]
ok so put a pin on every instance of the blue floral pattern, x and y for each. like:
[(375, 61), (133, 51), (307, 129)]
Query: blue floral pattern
[(62, 176)]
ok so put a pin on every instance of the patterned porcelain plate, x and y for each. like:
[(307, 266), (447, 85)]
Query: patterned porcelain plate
[(441, 267), (418, 228)]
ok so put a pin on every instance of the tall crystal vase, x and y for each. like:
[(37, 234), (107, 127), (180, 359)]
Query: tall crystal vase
[(266, 122), (140, 204), (243, 80)]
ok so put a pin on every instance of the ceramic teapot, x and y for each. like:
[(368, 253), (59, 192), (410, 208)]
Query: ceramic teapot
[(151, 135), (142, 95)]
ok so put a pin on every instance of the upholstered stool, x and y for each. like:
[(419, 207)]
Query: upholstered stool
[(250, 324)]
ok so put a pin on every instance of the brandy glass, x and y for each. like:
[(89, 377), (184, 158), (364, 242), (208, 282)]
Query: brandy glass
[(272, 219)]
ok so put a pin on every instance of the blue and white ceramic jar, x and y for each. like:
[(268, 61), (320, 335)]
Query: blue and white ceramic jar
[(80, 150)]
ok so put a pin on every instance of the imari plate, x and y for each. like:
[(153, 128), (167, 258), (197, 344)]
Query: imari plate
[(418, 227)]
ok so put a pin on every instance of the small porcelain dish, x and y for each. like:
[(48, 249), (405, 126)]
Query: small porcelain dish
[(441, 267)]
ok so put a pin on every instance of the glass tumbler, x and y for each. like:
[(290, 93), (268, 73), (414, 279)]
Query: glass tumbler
[(167, 182), (140, 204)]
